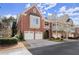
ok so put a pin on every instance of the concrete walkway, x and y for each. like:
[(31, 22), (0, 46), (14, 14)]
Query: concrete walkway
[(19, 49)]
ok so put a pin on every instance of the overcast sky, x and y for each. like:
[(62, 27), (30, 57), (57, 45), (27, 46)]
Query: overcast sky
[(72, 9)]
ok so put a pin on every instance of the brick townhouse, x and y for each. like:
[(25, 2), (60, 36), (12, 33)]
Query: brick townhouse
[(31, 23)]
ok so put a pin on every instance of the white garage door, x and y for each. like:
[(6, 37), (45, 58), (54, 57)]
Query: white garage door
[(71, 35), (59, 35), (28, 35), (38, 35)]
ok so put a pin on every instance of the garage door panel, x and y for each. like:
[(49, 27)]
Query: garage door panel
[(28, 35), (38, 35)]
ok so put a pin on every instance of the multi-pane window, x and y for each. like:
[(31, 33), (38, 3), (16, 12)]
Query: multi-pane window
[(34, 21)]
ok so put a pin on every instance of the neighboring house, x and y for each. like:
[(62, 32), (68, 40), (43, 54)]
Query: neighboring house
[(31, 23), (65, 26), (62, 26), (48, 29)]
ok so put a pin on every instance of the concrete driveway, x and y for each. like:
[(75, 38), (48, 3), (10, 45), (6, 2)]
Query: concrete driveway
[(67, 48), (40, 43)]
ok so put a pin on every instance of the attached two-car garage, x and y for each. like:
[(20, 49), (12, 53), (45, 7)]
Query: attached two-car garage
[(31, 35)]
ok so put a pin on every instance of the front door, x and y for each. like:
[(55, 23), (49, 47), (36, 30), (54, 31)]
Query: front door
[(46, 34)]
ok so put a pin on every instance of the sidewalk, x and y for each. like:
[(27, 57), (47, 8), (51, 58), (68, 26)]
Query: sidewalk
[(15, 50)]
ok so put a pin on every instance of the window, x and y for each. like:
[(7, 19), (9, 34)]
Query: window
[(34, 21)]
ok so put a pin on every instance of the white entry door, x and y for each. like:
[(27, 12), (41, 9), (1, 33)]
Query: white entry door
[(28, 35)]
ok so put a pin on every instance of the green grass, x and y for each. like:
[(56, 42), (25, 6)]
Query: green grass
[(56, 39)]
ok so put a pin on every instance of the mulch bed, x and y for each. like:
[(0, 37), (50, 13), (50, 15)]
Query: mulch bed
[(10, 47), (6, 46)]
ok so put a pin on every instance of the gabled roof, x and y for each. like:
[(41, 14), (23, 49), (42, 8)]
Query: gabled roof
[(40, 12)]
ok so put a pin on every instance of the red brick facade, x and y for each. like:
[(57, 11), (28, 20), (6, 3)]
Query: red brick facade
[(24, 20)]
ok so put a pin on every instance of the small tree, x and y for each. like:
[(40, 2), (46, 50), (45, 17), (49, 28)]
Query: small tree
[(14, 29), (21, 37)]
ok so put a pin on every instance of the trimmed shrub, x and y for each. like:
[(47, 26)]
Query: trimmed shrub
[(52, 37), (16, 37), (61, 39), (8, 41), (19, 37), (56, 39)]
